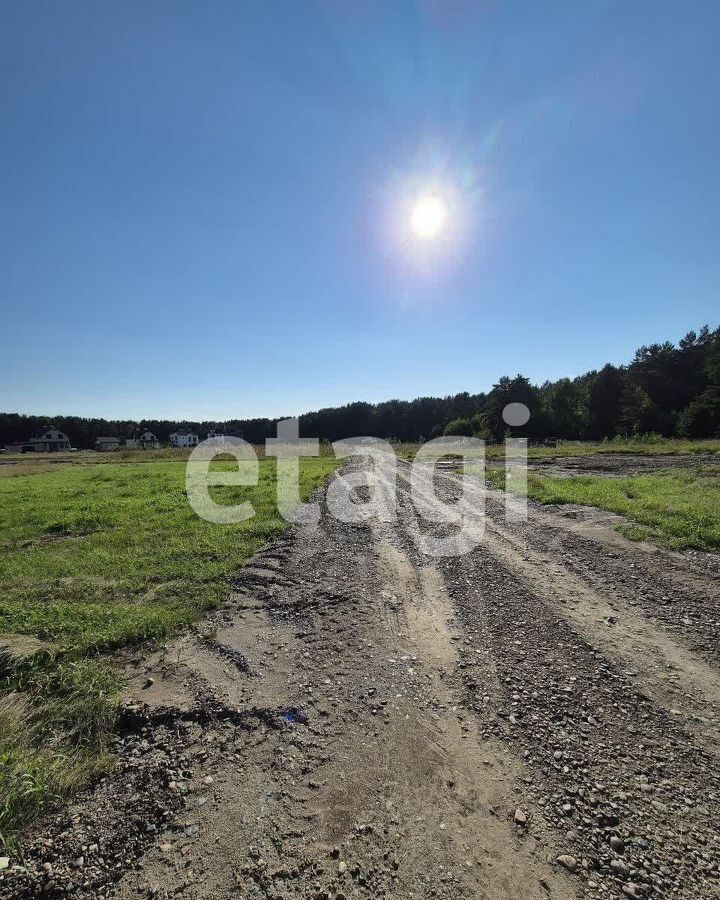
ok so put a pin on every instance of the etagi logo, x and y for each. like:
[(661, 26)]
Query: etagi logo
[(372, 484)]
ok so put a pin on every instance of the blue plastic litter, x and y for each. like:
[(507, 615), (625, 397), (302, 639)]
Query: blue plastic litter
[(293, 716)]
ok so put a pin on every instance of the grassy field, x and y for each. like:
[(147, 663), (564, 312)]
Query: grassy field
[(95, 557), (29, 461), (676, 508), (651, 446), (642, 447), (639, 446)]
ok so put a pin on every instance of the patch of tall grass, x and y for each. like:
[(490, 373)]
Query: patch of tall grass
[(55, 721)]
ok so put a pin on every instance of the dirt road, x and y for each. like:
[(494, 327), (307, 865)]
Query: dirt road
[(535, 719)]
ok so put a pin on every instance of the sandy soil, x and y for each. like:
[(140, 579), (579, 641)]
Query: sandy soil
[(535, 719)]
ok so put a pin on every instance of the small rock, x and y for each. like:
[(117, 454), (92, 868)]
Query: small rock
[(619, 868), (567, 862), (618, 844), (342, 868), (520, 818), (4, 862)]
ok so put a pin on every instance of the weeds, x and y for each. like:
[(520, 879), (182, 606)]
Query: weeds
[(54, 727)]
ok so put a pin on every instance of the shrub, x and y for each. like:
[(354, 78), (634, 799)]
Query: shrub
[(459, 428)]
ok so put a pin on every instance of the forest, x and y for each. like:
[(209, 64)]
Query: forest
[(667, 389)]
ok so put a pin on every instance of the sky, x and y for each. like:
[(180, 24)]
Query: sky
[(205, 207)]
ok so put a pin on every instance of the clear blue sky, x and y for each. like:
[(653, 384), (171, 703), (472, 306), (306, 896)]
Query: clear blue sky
[(204, 205)]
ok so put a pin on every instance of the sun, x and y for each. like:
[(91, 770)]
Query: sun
[(428, 217)]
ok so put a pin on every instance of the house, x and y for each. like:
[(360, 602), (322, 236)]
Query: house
[(184, 439), (19, 447), (131, 444), (221, 436), (107, 443), (50, 440), (148, 441)]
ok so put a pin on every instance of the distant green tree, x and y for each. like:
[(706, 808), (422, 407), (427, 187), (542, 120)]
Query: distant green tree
[(702, 416), (636, 412), (459, 428), (604, 403), (511, 390), (561, 403)]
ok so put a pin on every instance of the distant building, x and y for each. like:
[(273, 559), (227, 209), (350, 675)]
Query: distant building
[(19, 448), (148, 441), (184, 439), (222, 436), (131, 444), (50, 440), (107, 443)]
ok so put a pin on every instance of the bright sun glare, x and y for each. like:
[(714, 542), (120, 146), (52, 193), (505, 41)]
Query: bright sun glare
[(428, 217)]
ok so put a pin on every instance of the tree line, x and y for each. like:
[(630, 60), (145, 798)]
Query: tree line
[(667, 389)]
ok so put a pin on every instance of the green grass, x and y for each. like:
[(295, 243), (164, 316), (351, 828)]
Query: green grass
[(675, 508), (25, 461), (92, 558), (54, 724), (647, 446), (650, 446)]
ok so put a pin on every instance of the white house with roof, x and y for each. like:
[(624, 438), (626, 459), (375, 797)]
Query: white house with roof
[(50, 440), (184, 439), (149, 441)]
